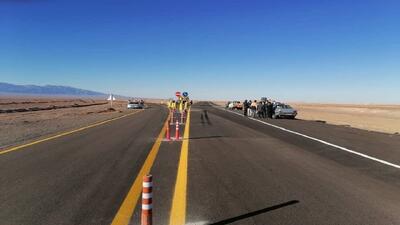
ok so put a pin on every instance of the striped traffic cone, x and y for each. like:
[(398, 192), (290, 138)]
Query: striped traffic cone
[(147, 200), (177, 130)]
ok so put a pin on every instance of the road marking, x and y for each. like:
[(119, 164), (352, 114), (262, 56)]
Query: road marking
[(178, 210), (64, 134), (125, 212), (323, 142)]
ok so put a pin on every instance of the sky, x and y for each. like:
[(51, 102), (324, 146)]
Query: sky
[(342, 51)]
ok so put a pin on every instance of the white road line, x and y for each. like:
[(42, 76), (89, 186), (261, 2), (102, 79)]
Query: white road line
[(322, 141)]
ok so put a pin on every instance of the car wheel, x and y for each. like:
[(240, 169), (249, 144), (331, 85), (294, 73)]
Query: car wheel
[(274, 116)]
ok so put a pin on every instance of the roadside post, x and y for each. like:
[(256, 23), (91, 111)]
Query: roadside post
[(177, 130), (183, 115), (111, 98), (171, 112), (168, 134), (147, 200)]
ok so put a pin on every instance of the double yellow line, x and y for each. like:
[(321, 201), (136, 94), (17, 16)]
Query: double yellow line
[(125, 212), (178, 211)]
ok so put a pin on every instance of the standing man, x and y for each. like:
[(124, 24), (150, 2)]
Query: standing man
[(253, 107), (269, 109), (249, 107), (245, 107), (180, 105), (173, 105), (264, 109), (259, 109)]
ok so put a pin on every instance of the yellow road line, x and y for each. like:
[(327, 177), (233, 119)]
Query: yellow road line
[(125, 212), (178, 210), (63, 134)]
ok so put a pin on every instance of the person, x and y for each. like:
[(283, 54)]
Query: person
[(245, 107), (269, 109), (253, 108), (169, 104), (264, 109), (259, 110), (173, 105), (249, 108), (179, 105)]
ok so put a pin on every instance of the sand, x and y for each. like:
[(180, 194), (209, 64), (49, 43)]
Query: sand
[(22, 127), (381, 118)]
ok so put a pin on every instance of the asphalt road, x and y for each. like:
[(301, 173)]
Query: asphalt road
[(244, 172), (239, 171), (80, 178)]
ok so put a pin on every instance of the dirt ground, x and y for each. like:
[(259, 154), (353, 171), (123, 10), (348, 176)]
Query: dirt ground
[(12, 103), (381, 118), (21, 127)]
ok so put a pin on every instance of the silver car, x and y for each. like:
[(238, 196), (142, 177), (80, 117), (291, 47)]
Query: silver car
[(135, 105), (284, 111)]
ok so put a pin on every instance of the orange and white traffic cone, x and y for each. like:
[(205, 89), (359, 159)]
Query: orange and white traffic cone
[(167, 132), (182, 117), (177, 130), (147, 200), (172, 112)]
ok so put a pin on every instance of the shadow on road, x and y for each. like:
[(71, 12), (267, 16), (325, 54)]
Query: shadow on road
[(206, 116), (206, 137), (255, 213)]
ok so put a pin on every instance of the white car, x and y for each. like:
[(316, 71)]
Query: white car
[(284, 111), (235, 105), (135, 105)]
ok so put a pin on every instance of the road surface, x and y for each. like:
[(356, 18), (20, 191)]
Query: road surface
[(236, 171)]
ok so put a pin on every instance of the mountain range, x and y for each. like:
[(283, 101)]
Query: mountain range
[(6, 88)]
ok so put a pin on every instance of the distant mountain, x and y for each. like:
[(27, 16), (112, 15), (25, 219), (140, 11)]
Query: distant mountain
[(7, 88)]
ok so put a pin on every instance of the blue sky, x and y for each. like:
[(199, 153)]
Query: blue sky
[(311, 51)]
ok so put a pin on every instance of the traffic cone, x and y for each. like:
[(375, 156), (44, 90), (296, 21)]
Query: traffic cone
[(147, 200), (168, 133), (183, 117), (177, 130), (173, 116)]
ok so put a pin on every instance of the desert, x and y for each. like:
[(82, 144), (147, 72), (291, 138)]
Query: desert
[(380, 118), (372, 117), (23, 119)]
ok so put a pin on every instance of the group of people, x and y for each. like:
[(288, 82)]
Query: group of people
[(262, 109), (180, 104)]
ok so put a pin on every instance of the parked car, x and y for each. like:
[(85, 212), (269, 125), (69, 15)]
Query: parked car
[(135, 105), (238, 105), (235, 105), (284, 111)]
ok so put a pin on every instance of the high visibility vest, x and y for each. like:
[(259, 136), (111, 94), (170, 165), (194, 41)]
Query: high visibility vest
[(186, 105)]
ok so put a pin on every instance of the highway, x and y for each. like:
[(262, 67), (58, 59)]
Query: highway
[(228, 170)]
